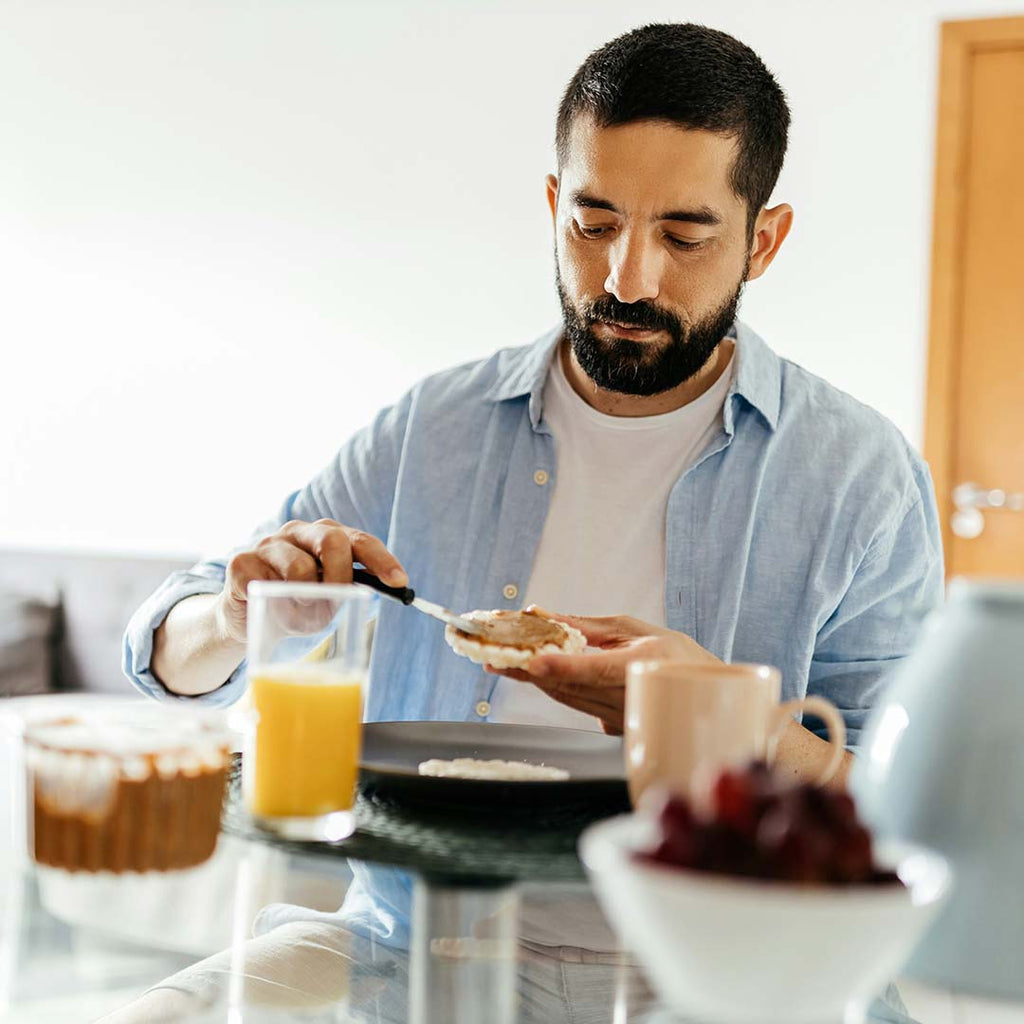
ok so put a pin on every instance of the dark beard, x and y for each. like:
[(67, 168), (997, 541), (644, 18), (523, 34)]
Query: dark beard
[(639, 368)]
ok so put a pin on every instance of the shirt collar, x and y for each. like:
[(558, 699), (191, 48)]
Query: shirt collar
[(524, 372), (757, 378)]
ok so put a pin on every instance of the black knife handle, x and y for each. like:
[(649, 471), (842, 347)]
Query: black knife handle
[(367, 579)]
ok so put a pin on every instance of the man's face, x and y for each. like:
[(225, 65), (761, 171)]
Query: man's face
[(651, 249)]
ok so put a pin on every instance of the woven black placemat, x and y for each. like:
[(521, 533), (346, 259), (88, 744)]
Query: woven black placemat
[(446, 846)]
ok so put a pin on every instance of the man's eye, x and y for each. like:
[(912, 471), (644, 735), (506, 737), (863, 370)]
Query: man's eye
[(681, 243), (590, 232)]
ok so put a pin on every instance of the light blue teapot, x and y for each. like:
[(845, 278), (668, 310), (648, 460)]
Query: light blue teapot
[(942, 764)]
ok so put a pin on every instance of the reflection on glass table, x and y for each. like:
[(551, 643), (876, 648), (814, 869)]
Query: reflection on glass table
[(253, 935), (76, 948), (75, 952)]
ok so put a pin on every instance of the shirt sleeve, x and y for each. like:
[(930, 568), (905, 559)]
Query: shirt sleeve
[(898, 582), (356, 488)]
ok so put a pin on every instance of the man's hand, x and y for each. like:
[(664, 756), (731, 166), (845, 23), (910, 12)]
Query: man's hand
[(202, 640), (595, 682), (302, 552)]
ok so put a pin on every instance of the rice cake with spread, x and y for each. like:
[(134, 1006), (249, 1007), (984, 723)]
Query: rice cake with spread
[(514, 638)]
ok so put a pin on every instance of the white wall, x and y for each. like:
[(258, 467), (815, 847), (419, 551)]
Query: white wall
[(229, 232)]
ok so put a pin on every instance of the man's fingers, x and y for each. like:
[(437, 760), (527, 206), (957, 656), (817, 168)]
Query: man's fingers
[(509, 673), (563, 673), (537, 610), (242, 569), (326, 542), (375, 556), (594, 700), (579, 696), (608, 713), (335, 554), (569, 672), (569, 681), (598, 629), (335, 547), (289, 562)]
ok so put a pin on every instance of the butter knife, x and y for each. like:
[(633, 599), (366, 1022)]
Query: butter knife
[(408, 596)]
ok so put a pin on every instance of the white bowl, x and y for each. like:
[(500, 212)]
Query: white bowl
[(745, 951)]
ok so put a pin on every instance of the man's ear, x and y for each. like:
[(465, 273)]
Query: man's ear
[(770, 232), (552, 185)]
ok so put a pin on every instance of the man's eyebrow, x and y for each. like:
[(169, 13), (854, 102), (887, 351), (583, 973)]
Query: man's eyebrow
[(698, 215), (581, 198)]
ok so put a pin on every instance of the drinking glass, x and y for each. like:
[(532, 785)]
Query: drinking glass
[(308, 652)]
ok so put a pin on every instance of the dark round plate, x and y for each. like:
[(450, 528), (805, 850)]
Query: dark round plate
[(393, 751)]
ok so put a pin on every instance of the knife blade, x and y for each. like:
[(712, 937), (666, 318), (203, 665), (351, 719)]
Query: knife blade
[(407, 596)]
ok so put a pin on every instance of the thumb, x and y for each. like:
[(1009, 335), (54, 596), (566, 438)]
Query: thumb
[(598, 629)]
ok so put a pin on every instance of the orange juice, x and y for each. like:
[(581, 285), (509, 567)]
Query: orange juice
[(307, 740)]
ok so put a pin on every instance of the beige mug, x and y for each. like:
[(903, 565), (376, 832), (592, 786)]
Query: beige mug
[(685, 723)]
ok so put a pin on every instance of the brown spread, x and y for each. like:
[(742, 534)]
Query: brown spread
[(525, 630)]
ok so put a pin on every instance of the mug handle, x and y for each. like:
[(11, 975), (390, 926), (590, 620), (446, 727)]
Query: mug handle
[(826, 711)]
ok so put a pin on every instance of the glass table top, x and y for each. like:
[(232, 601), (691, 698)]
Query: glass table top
[(254, 934)]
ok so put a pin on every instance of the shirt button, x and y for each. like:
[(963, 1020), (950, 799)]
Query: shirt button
[(483, 709), (511, 591), (540, 478)]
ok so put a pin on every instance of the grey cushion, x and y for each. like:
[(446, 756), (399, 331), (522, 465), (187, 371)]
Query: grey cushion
[(98, 593), (28, 643)]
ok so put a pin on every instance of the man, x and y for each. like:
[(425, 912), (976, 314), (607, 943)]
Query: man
[(652, 456)]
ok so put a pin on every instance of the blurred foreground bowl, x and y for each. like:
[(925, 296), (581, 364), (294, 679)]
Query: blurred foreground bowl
[(743, 951)]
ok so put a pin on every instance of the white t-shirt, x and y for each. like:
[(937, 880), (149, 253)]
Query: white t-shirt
[(602, 551)]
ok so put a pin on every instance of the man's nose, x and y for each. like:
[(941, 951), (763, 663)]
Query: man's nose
[(635, 270)]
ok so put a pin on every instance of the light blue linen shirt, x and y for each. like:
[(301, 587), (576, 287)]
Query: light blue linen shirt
[(805, 535)]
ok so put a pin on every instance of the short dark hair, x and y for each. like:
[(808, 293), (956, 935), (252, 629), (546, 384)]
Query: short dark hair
[(692, 76)]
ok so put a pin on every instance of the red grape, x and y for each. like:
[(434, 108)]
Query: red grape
[(763, 826)]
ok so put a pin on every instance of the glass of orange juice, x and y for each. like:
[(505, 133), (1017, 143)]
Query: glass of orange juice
[(307, 648)]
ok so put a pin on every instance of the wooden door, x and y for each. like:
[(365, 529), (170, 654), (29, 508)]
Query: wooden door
[(974, 431)]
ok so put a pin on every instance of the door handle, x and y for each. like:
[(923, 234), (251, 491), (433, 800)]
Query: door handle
[(969, 499)]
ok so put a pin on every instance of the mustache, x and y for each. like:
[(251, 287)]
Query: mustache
[(643, 315)]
